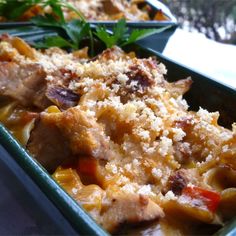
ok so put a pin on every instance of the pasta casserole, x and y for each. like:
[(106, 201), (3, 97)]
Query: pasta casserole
[(120, 139), (99, 10)]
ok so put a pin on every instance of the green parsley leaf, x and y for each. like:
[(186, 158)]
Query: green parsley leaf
[(47, 20), (138, 34), (115, 38), (76, 30), (54, 41), (121, 36), (105, 36), (56, 6), (120, 31)]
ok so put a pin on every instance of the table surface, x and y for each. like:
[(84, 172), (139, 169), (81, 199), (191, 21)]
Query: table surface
[(25, 210)]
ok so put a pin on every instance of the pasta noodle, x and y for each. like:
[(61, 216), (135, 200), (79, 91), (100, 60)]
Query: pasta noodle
[(120, 139)]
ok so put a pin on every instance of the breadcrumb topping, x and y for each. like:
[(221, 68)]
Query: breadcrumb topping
[(134, 125)]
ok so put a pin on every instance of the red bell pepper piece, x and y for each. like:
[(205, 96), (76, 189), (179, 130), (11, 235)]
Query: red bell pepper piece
[(208, 198), (87, 166)]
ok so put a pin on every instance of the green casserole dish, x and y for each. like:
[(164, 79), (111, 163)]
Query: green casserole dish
[(205, 92)]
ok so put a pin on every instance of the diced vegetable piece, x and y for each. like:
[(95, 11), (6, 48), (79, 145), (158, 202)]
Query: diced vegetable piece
[(87, 165), (205, 197), (87, 169), (52, 109)]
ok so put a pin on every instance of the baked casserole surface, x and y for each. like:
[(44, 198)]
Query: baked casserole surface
[(119, 138)]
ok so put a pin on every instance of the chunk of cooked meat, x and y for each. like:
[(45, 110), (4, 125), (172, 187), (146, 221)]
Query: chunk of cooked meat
[(62, 97), (24, 83), (85, 135), (141, 78), (178, 181), (130, 208), (47, 144)]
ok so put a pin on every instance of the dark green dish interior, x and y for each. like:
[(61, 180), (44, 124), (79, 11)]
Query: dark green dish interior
[(205, 92)]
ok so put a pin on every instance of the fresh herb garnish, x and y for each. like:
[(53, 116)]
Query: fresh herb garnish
[(55, 41), (47, 21), (74, 31), (77, 30), (71, 33), (121, 35)]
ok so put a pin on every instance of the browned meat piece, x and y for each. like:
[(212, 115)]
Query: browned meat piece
[(178, 181), (62, 97), (143, 79), (180, 87), (47, 144), (130, 208), (61, 136), (25, 84), (85, 135)]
